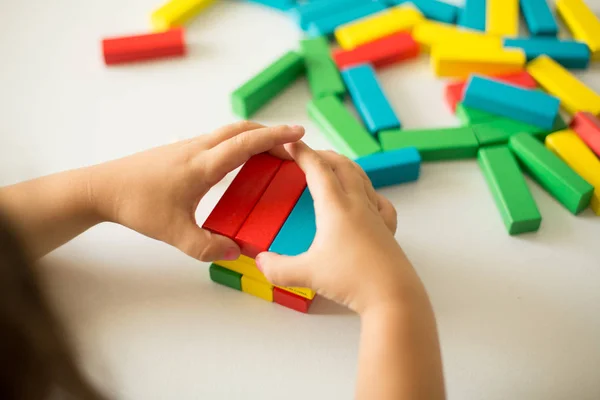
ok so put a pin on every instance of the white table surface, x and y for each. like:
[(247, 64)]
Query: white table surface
[(519, 317)]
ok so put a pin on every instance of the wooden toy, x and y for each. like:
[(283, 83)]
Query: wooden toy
[(392, 167), (346, 134), (323, 76), (582, 22), (305, 13), (291, 300), (433, 144), (509, 190), (379, 53), (539, 18), (568, 53), (499, 130), (259, 289), (473, 15), (460, 62), (120, 50), (572, 150), (263, 87), (242, 195), (298, 231), (177, 12), (502, 17), (225, 277), (574, 95), (587, 127), (328, 24), (281, 5), (525, 105), (369, 99), (551, 172), (432, 9), (429, 34), (385, 23)]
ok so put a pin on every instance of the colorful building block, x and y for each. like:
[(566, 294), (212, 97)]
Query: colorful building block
[(525, 105), (509, 189), (291, 300), (305, 13), (582, 22), (568, 53), (460, 62), (572, 150), (539, 18), (587, 127), (328, 24), (225, 277), (502, 17), (473, 15), (369, 98), (242, 195), (267, 84), (177, 12), (299, 230), (346, 134), (432, 9), (430, 33), (574, 95), (552, 173), (433, 144), (499, 130), (392, 167), (121, 50), (379, 53), (259, 289), (281, 5), (323, 77)]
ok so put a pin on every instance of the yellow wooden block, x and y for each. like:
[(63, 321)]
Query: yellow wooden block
[(572, 150), (574, 95), (430, 33), (256, 288), (395, 19), (460, 62), (582, 23), (502, 17), (177, 13)]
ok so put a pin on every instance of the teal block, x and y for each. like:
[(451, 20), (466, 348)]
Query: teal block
[(392, 167), (327, 25), (568, 53), (473, 15), (432, 9), (305, 13), (539, 18), (299, 230)]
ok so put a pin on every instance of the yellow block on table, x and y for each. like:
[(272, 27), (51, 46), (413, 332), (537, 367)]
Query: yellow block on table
[(582, 22), (177, 13), (502, 17), (259, 289), (460, 61), (430, 33)]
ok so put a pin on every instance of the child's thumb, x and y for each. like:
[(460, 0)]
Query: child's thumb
[(284, 270)]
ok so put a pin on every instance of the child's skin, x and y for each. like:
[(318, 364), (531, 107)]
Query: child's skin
[(360, 264)]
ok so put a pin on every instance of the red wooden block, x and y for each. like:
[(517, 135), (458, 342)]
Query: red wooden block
[(271, 211), (127, 49), (242, 195), (388, 50), (587, 127), (291, 300), (455, 91)]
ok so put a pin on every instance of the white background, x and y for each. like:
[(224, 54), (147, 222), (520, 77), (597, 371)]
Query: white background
[(519, 317)]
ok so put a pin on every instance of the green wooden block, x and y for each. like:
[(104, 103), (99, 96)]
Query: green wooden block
[(323, 76), (499, 130), (470, 116), (433, 144), (225, 277), (509, 189), (267, 84), (552, 173), (340, 127)]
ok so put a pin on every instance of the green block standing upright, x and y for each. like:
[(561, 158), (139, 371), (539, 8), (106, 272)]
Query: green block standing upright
[(225, 277), (323, 76), (509, 189), (267, 84)]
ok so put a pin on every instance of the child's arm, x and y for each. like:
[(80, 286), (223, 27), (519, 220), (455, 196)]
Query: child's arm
[(356, 261)]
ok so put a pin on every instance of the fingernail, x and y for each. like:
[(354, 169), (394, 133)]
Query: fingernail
[(296, 128), (258, 261), (231, 254)]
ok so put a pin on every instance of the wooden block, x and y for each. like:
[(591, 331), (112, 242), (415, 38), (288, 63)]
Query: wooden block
[(539, 18), (568, 53), (552, 173), (379, 53), (572, 150), (525, 105), (392, 167), (299, 230), (323, 77), (225, 277), (432, 9), (470, 116), (385, 23), (460, 62), (502, 17), (327, 25), (126, 49), (177, 12), (259, 289), (509, 189), (582, 22), (574, 95), (433, 144), (587, 127), (499, 130), (306, 13), (369, 98), (281, 5), (473, 15), (429, 34), (271, 211), (291, 300), (340, 127)]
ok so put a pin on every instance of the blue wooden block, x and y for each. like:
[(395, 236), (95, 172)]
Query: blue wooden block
[(539, 18), (369, 99), (392, 167), (432, 9), (282, 5), (473, 15), (327, 25), (298, 231), (530, 106), (568, 53), (305, 13)]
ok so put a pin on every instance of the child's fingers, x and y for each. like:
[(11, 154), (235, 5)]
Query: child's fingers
[(284, 270), (348, 175), (204, 245), (229, 131), (388, 212)]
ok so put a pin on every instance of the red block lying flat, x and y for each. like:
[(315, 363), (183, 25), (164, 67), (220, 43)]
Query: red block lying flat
[(271, 211), (587, 126), (242, 195), (291, 300), (455, 92), (385, 51), (144, 47)]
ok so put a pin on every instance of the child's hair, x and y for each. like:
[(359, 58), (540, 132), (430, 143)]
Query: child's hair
[(35, 360)]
